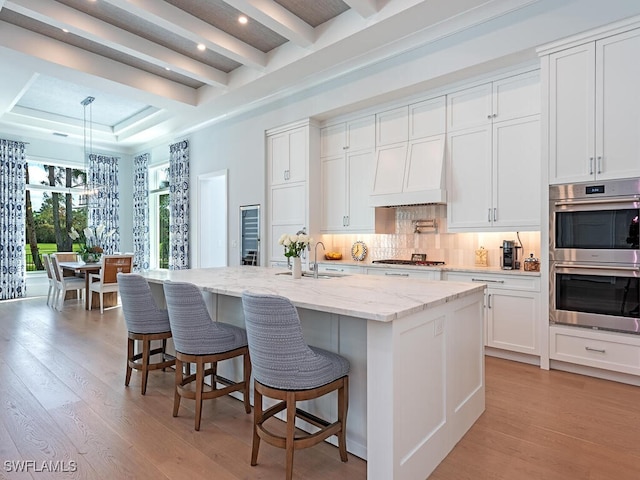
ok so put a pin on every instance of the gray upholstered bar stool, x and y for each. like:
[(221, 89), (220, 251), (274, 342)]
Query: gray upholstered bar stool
[(199, 340), (145, 323), (285, 368)]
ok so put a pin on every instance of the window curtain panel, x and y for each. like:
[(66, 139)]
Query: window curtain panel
[(104, 199), (179, 206), (141, 241), (12, 219)]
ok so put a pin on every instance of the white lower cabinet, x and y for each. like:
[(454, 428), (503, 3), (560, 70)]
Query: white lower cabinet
[(426, 274), (336, 268), (614, 351), (512, 306)]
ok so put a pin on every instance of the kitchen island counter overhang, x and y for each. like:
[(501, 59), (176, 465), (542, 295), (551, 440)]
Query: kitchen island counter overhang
[(415, 348)]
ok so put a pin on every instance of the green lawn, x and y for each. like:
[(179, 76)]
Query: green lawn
[(42, 249)]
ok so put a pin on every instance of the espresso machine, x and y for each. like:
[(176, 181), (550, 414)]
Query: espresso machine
[(509, 257)]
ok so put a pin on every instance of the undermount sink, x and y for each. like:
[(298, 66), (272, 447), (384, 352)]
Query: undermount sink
[(320, 275)]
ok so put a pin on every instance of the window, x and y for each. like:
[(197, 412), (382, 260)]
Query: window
[(159, 216), (55, 202)]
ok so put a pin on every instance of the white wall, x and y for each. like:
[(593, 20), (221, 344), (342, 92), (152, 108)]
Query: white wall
[(238, 143)]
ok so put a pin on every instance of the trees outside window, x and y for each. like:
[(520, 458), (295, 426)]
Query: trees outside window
[(54, 204)]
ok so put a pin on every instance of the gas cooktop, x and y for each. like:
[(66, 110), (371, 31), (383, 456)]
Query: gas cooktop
[(425, 263)]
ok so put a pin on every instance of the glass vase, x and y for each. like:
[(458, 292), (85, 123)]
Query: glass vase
[(297, 268)]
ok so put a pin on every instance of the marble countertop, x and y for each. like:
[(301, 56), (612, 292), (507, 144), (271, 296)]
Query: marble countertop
[(372, 297)]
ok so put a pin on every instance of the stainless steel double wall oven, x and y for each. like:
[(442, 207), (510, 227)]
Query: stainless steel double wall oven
[(594, 255)]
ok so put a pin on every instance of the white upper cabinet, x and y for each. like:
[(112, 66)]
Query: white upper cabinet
[(505, 99), (287, 154), (493, 167), (347, 155), (594, 110), (392, 126), (427, 118)]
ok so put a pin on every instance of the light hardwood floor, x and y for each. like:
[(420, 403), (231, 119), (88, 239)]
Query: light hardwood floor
[(63, 399)]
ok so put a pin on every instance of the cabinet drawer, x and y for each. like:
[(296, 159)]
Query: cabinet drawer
[(333, 268), (497, 281), (396, 272), (609, 351)]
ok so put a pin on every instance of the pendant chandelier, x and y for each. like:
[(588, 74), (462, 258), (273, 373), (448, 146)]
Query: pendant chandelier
[(87, 103)]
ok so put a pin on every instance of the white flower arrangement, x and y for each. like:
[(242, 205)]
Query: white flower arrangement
[(93, 239), (294, 245)]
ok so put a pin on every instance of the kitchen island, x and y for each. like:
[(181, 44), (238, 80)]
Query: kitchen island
[(415, 347)]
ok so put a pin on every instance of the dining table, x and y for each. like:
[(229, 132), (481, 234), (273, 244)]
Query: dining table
[(87, 269)]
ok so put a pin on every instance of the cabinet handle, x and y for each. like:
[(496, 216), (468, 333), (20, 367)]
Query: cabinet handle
[(599, 170), (489, 117), (599, 350), (489, 301), (489, 215), (590, 165), (486, 281), (396, 274), (495, 214), (347, 221), (332, 269)]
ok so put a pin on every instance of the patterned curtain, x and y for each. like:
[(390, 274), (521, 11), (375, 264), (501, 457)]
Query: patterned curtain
[(104, 198), (12, 219), (179, 206), (141, 242)]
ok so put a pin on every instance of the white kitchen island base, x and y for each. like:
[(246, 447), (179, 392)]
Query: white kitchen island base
[(415, 347)]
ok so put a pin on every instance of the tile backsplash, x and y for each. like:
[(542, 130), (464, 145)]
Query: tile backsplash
[(452, 248)]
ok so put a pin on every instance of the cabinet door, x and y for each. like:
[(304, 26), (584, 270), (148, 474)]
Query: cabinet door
[(278, 152), (513, 321), (469, 178), (334, 189), (288, 205), (516, 173), (361, 216), (618, 106), (425, 161), (392, 126), (469, 108), (332, 140), (428, 118), (361, 134), (389, 169), (572, 114), (516, 97), (298, 155)]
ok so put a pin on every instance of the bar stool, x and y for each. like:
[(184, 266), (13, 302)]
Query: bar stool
[(199, 340), (285, 368), (145, 323)]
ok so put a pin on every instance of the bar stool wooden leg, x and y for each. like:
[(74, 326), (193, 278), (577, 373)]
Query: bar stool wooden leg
[(146, 347), (343, 403), (176, 394), (291, 431), (257, 420), (246, 372), (130, 353), (199, 389)]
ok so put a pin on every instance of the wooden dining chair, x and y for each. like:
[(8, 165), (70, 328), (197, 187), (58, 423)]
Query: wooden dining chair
[(107, 280)]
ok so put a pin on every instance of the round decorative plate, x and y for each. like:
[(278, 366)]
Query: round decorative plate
[(358, 251)]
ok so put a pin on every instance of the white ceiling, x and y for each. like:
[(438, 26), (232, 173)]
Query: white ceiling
[(138, 58)]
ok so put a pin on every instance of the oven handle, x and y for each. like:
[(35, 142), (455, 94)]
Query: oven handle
[(595, 201), (599, 267)]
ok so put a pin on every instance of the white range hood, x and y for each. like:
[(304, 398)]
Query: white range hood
[(410, 173)]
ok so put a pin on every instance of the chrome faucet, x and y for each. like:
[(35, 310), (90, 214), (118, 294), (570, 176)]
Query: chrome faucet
[(315, 258)]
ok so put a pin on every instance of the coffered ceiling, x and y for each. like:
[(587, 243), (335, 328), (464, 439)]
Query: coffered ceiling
[(158, 68)]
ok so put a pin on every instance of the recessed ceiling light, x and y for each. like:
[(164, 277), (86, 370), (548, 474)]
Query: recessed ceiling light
[(242, 19), (201, 47)]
